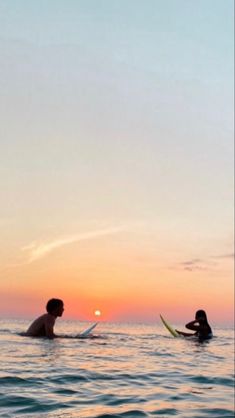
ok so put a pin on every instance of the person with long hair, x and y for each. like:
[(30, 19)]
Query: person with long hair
[(200, 325)]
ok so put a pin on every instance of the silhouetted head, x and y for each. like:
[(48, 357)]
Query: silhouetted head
[(55, 307), (201, 315)]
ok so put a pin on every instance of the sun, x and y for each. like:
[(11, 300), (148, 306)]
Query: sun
[(97, 312)]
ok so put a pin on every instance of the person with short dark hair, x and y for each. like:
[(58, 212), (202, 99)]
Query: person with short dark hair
[(200, 325), (44, 325)]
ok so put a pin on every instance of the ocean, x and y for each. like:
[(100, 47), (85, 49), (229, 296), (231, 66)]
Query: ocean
[(129, 370)]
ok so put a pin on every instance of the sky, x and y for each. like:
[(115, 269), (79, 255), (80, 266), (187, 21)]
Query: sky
[(116, 158)]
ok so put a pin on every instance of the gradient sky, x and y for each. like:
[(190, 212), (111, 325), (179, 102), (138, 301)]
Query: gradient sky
[(116, 158)]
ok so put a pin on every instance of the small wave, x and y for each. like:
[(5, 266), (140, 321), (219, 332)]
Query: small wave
[(223, 381), (215, 413), (161, 354), (19, 381), (29, 405), (166, 412), (68, 378), (18, 401), (6, 331), (65, 391), (134, 413)]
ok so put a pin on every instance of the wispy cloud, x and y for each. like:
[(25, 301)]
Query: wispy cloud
[(194, 264), (223, 256), (197, 264), (37, 250)]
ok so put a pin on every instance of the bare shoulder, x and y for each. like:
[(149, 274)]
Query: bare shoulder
[(45, 319), (49, 319)]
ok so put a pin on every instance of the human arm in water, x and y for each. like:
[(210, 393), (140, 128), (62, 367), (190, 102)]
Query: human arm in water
[(193, 325), (49, 327), (201, 328), (185, 334)]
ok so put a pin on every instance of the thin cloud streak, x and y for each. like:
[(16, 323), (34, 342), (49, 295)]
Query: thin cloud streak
[(224, 256), (212, 261), (37, 251)]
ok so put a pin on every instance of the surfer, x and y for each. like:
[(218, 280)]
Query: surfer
[(200, 325), (44, 325)]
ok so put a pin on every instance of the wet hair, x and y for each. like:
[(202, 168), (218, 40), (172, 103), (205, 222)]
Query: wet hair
[(53, 304), (201, 314)]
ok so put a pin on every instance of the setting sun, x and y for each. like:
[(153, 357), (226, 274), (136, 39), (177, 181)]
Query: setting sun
[(97, 312)]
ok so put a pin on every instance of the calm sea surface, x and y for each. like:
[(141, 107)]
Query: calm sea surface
[(129, 371)]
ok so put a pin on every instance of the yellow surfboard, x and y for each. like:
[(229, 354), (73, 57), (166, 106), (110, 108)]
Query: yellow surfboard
[(170, 328)]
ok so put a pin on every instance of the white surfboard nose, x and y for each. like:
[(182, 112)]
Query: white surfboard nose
[(88, 330)]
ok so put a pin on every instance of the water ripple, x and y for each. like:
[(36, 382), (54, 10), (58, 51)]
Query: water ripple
[(139, 372)]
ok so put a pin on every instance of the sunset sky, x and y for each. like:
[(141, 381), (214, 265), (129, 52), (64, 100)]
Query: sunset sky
[(116, 158)]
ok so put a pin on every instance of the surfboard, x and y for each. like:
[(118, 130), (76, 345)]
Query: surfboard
[(87, 331), (170, 328)]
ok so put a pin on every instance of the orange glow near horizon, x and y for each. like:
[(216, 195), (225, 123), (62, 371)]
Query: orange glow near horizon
[(170, 297), (112, 283)]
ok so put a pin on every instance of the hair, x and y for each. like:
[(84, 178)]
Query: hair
[(53, 304), (201, 313)]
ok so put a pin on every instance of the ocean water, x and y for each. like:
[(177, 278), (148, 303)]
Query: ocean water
[(130, 370)]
